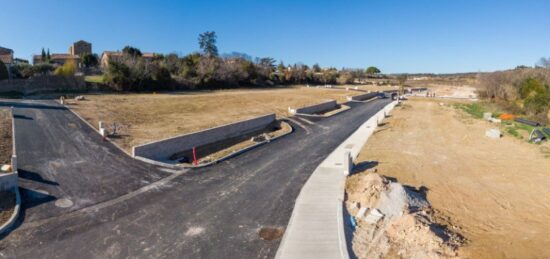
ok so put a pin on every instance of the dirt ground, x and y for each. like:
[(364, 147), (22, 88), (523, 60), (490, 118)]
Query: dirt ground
[(492, 192), (7, 204), (148, 117), (5, 137)]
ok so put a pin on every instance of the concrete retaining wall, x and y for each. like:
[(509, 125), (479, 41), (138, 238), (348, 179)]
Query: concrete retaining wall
[(363, 97), (8, 181), (317, 108), (161, 150), (42, 83)]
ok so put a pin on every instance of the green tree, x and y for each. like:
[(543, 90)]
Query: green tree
[(43, 55), (207, 42), (3, 71), (132, 51), (48, 56), (89, 60), (373, 71), (531, 87), (316, 68), (118, 76)]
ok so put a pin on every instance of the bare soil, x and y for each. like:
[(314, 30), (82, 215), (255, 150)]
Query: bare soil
[(493, 192), (5, 137), (148, 117)]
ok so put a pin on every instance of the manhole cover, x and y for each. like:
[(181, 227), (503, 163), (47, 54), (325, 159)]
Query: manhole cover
[(63, 203), (270, 234)]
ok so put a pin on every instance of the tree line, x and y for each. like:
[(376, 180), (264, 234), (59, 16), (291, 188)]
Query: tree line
[(523, 90), (208, 69)]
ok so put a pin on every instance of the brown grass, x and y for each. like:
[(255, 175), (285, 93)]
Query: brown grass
[(5, 137), (494, 192), (149, 117)]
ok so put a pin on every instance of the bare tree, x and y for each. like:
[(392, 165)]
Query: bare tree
[(544, 62)]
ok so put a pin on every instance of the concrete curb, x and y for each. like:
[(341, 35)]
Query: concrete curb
[(11, 221), (316, 228)]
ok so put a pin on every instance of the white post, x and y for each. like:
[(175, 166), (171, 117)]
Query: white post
[(100, 124), (348, 163), (14, 163)]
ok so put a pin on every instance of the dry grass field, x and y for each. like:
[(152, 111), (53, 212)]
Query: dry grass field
[(494, 192), (149, 117)]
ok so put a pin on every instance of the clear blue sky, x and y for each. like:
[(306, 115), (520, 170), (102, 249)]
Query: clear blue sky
[(397, 36)]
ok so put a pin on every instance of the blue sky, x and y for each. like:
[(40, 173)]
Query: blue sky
[(436, 36)]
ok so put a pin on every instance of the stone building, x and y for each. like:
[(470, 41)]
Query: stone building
[(80, 47), (76, 50), (6, 55)]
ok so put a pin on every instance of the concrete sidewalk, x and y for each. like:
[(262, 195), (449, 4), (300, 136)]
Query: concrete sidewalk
[(316, 227)]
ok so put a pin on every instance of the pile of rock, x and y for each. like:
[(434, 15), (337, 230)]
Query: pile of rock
[(395, 221)]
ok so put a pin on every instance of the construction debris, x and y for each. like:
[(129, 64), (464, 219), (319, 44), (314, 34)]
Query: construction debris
[(399, 222), (6, 168), (528, 122), (487, 116), (493, 120), (493, 133), (536, 136)]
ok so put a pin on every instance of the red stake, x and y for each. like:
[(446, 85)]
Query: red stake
[(195, 162)]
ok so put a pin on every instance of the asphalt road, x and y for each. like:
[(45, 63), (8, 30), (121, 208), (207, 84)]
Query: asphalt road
[(123, 208)]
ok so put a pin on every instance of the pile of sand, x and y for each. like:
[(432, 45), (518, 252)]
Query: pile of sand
[(395, 221)]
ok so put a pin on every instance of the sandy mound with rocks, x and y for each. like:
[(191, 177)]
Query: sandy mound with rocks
[(395, 221)]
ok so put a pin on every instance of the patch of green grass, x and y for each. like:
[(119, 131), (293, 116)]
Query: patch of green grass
[(474, 109), (94, 79), (524, 127), (512, 131)]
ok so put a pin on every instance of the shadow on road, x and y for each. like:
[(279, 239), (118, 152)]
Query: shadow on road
[(22, 117), (31, 105), (35, 177)]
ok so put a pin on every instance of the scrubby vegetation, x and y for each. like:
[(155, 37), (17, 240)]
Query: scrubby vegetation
[(68, 69), (523, 91), (208, 69), (3, 71)]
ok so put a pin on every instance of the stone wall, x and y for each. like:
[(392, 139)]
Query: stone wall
[(317, 108), (42, 83), (161, 150)]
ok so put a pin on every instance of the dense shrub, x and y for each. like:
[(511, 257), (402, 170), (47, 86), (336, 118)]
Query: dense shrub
[(68, 69), (3, 71), (524, 90)]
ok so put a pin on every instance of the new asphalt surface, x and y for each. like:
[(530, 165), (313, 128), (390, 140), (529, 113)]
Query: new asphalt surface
[(82, 197)]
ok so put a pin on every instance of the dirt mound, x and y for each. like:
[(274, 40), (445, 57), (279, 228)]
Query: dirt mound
[(395, 221)]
